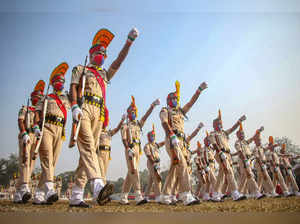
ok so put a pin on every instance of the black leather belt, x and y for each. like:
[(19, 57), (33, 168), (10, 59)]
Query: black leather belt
[(93, 100), (179, 134), (53, 119), (104, 148), (135, 142)]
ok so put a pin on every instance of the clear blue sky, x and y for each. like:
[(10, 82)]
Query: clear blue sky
[(247, 52)]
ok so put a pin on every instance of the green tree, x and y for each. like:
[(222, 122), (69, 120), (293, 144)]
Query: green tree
[(291, 148), (8, 167)]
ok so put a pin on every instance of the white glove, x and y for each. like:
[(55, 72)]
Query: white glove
[(201, 125), (247, 163), (207, 169), (156, 167), (76, 112), (156, 102), (25, 138), (133, 34), (130, 153), (223, 156), (37, 131), (174, 140)]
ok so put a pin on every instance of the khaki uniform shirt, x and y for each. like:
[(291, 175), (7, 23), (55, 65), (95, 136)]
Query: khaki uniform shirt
[(174, 117), (286, 162), (210, 157), (220, 138), (259, 153), (152, 149), (243, 147), (131, 131), (91, 84), (22, 116), (52, 107)]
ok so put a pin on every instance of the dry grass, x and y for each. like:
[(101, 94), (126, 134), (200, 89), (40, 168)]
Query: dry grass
[(267, 205)]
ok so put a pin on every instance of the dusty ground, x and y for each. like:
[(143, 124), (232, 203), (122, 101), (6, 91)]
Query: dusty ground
[(267, 205)]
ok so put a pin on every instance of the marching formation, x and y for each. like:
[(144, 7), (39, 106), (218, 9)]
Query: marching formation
[(42, 132)]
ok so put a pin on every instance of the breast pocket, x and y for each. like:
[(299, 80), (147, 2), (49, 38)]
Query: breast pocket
[(51, 107), (91, 81)]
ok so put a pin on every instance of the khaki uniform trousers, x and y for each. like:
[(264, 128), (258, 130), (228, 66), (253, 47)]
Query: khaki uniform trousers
[(179, 171), (291, 180), (278, 178), (228, 178), (212, 181), (247, 182), (103, 160), (49, 151), (26, 169), (58, 190), (88, 138), (132, 180), (152, 181), (263, 179), (200, 184)]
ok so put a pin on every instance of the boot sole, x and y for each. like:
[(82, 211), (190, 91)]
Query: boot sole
[(104, 194), (144, 201), (80, 205), (52, 198), (26, 197), (241, 198), (261, 197)]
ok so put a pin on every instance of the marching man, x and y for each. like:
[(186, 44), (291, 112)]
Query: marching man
[(172, 120), (277, 175), (151, 150), (91, 113), (131, 135), (104, 149), (52, 134), (219, 139), (244, 153), (263, 178), (285, 161), (27, 142)]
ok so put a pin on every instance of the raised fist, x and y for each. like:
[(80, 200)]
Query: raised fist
[(156, 102), (261, 129), (242, 118), (201, 125), (203, 86), (133, 34)]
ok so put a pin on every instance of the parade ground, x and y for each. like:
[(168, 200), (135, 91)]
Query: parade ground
[(266, 205)]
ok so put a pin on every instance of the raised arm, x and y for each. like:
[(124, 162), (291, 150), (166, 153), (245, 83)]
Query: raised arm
[(115, 130), (250, 140), (195, 132), (149, 111), (236, 125), (194, 98), (122, 55)]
